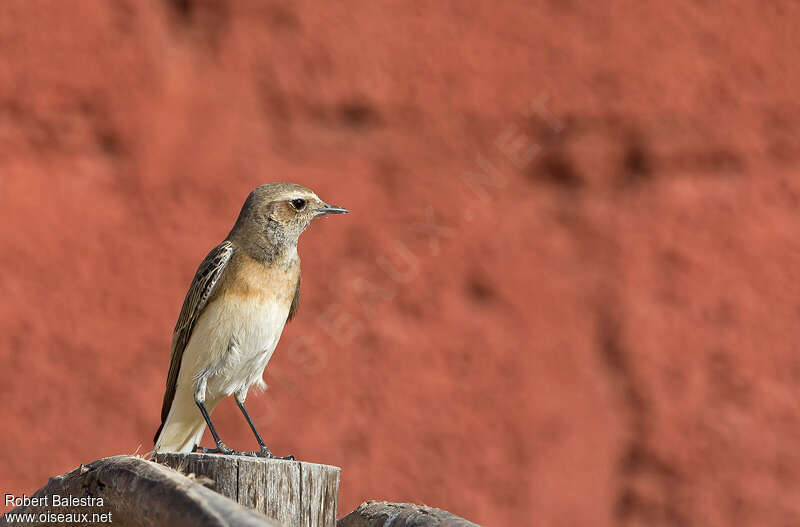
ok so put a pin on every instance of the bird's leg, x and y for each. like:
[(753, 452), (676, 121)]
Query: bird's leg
[(265, 452), (200, 401), (221, 447)]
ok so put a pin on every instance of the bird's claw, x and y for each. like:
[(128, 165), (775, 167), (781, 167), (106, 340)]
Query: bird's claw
[(266, 454), (221, 449)]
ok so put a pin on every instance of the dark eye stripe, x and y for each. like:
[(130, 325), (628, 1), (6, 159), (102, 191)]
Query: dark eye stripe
[(298, 203)]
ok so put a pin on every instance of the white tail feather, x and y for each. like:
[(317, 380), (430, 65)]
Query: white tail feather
[(184, 426)]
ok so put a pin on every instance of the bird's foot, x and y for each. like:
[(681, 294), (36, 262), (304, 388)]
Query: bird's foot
[(221, 449), (265, 453)]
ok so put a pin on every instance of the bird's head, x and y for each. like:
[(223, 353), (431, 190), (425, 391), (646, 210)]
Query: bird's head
[(278, 213)]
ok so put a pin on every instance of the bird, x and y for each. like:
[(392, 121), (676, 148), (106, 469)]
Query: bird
[(241, 297)]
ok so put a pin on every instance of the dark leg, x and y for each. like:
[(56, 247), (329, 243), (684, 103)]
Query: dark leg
[(221, 448), (265, 452)]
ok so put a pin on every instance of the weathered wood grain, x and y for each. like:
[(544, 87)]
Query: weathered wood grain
[(293, 493), (385, 514), (319, 488), (137, 492)]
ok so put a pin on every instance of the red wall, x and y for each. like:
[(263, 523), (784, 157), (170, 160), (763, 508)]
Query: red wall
[(567, 293)]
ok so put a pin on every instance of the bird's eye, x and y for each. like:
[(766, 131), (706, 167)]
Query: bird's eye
[(298, 203)]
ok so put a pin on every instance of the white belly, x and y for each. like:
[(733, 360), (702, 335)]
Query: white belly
[(231, 344)]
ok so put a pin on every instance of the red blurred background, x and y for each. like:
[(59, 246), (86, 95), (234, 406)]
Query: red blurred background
[(567, 293)]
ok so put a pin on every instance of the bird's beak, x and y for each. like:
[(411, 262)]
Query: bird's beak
[(331, 209)]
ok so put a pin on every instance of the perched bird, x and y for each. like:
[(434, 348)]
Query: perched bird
[(241, 297)]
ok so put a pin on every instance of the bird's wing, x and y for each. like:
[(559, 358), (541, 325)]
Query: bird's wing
[(205, 280), (295, 300)]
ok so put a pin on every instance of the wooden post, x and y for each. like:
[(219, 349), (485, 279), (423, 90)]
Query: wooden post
[(294, 493)]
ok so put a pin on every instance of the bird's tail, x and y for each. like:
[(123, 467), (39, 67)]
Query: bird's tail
[(182, 429)]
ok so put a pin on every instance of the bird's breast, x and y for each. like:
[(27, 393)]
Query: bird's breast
[(256, 304), (242, 324), (252, 280)]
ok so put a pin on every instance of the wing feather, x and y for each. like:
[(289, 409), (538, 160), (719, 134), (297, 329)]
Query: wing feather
[(201, 290), (295, 301)]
